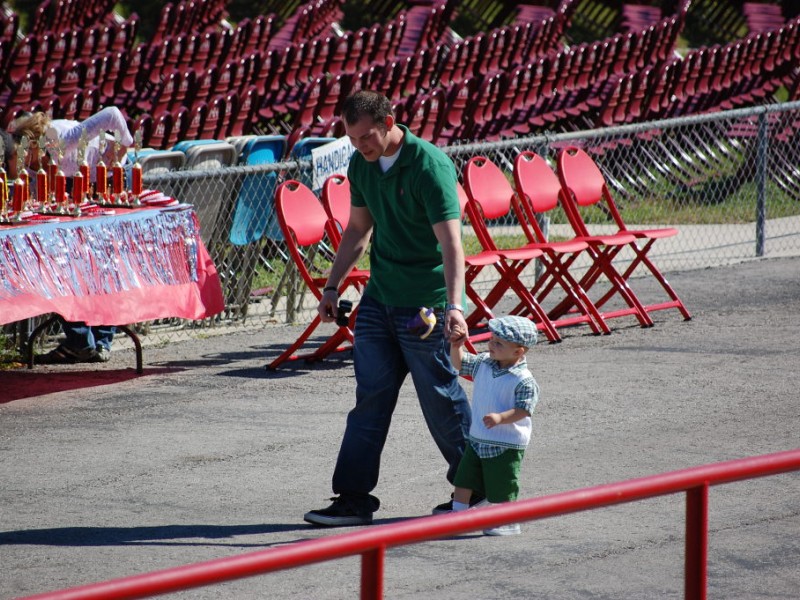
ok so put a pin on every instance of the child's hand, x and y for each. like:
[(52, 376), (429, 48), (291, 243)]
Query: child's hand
[(491, 420), (458, 334)]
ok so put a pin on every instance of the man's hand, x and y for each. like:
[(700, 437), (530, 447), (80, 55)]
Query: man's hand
[(328, 305), (455, 327)]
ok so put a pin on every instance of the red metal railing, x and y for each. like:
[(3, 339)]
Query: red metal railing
[(371, 543)]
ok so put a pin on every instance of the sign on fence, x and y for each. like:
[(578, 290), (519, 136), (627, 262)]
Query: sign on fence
[(330, 159)]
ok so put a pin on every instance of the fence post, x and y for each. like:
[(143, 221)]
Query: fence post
[(696, 555), (372, 574), (761, 183)]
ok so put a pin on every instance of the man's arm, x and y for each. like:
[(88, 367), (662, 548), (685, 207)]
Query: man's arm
[(448, 233), (355, 239)]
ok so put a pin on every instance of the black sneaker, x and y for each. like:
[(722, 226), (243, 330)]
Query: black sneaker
[(344, 511), (446, 507)]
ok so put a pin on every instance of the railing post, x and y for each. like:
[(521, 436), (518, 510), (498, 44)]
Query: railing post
[(372, 574), (696, 559)]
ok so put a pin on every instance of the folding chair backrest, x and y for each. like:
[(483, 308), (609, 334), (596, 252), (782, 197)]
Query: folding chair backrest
[(490, 195), (537, 181), (584, 185), (487, 185), (336, 201), (582, 175), (463, 198), (300, 213), (538, 189)]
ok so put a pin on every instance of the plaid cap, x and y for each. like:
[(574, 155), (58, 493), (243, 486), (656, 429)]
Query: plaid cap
[(517, 330)]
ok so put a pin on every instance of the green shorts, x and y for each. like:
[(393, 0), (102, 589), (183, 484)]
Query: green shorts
[(496, 478)]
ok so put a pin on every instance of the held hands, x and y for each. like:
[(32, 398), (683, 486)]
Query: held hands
[(455, 327)]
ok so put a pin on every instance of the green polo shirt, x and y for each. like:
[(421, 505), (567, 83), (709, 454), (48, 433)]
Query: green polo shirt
[(419, 190)]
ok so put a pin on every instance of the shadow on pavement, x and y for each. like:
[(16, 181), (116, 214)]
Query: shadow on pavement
[(25, 383), (155, 535)]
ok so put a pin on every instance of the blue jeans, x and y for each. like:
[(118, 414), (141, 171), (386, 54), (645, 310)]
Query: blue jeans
[(82, 337), (384, 353)]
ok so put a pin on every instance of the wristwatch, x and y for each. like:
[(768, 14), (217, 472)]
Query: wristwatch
[(449, 307)]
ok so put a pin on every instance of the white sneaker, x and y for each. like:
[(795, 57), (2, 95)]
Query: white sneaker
[(512, 529)]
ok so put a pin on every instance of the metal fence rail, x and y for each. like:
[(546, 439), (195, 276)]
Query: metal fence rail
[(371, 544), (729, 181)]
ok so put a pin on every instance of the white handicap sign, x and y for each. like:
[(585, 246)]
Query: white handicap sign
[(330, 159)]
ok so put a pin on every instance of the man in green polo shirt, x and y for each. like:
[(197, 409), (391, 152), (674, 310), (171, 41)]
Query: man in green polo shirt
[(403, 201)]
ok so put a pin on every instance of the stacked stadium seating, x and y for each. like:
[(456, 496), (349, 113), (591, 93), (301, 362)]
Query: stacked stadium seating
[(530, 67)]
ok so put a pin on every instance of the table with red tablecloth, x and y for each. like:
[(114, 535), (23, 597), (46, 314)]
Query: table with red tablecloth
[(131, 266)]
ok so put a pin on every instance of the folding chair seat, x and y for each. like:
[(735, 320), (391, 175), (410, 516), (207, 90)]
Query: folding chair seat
[(584, 185), (490, 196), (303, 221)]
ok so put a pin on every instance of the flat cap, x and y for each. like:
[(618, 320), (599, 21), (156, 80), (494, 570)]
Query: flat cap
[(517, 330)]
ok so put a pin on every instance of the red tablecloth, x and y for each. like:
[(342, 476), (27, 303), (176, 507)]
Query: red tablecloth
[(136, 265)]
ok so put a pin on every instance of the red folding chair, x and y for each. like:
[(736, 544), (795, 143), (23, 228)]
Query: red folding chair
[(336, 202), (585, 186), (473, 265), (538, 193), (303, 222), (490, 195)]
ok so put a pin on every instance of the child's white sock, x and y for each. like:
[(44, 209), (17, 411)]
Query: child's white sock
[(458, 506)]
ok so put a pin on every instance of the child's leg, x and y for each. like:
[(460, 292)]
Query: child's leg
[(461, 498), (502, 485), (468, 478), (501, 476)]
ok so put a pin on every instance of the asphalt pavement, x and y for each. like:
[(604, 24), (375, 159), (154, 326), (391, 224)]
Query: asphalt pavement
[(106, 473)]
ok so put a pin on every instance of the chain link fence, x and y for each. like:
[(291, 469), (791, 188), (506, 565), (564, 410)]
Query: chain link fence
[(730, 182)]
